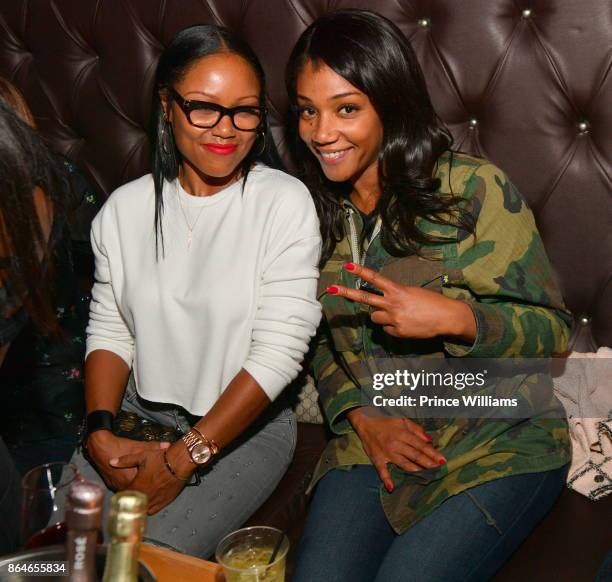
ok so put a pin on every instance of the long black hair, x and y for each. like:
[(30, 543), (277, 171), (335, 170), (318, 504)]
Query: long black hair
[(184, 50), (25, 165), (372, 54)]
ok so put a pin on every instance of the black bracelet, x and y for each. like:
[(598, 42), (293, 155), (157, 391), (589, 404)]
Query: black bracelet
[(99, 420), (171, 468)]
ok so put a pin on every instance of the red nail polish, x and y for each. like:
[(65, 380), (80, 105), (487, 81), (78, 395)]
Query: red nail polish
[(428, 438), (349, 266), (389, 487), (442, 462), (332, 289)]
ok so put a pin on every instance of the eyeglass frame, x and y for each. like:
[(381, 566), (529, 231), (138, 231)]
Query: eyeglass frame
[(189, 105)]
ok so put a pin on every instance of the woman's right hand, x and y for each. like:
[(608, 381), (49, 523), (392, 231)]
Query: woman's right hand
[(400, 441), (103, 445)]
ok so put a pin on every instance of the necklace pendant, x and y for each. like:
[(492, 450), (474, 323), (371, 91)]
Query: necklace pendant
[(189, 239)]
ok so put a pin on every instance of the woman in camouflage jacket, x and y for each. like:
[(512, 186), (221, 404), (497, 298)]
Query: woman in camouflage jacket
[(429, 256)]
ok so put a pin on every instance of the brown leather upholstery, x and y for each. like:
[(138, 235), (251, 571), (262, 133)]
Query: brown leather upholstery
[(286, 507), (568, 546), (526, 83)]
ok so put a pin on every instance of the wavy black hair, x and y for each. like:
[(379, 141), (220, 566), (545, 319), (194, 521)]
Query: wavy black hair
[(188, 46), (26, 164), (372, 54)]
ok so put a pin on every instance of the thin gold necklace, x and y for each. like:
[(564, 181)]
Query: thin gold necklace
[(190, 226)]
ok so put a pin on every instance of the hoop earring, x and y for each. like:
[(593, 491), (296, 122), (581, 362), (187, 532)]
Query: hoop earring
[(262, 136), (164, 135)]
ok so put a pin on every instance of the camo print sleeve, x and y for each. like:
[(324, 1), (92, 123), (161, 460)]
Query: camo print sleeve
[(338, 393), (518, 308)]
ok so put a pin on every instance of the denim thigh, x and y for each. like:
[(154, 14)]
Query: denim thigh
[(347, 537), (472, 534), (347, 534), (232, 487)]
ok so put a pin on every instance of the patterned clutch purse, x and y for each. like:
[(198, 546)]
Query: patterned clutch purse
[(131, 426)]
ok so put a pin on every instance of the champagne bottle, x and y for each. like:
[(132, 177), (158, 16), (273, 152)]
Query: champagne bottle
[(126, 522), (83, 517)]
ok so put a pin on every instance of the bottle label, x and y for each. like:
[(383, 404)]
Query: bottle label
[(80, 550)]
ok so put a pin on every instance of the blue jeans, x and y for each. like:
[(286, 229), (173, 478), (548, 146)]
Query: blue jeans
[(347, 537)]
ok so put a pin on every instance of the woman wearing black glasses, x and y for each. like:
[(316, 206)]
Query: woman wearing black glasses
[(204, 301)]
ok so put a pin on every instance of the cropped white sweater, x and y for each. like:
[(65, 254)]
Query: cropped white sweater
[(242, 295)]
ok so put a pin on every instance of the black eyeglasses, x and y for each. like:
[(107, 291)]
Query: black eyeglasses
[(206, 115)]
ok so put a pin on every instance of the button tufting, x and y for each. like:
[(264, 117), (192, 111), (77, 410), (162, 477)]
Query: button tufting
[(424, 22), (583, 127), (527, 13), (473, 123), (584, 320)]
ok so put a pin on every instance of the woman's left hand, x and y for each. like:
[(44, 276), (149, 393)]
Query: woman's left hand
[(153, 477), (409, 312)]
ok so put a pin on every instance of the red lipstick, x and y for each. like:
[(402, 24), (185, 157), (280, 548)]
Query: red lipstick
[(222, 150)]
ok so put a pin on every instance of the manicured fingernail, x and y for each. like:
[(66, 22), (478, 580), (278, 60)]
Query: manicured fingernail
[(114, 461), (389, 487), (426, 437), (332, 290), (164, 445), (442, 462), (349, 266)]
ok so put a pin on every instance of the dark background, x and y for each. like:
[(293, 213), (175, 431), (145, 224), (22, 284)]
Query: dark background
[(527, 84)]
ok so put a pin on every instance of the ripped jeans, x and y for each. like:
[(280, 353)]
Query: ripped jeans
[(467, 539), (232, 487)]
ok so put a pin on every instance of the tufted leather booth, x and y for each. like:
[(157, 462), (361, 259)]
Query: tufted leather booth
[(526, 83)]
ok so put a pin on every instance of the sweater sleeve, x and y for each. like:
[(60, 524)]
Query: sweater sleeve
[(107, 329), (518, 308), (288, 312)]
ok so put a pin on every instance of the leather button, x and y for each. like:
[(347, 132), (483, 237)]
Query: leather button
[(424, 23), (584, 127), (473, 123), (527, 13), (584, 320)]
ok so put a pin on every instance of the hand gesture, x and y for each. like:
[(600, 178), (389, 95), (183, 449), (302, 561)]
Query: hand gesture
[(409, 312)]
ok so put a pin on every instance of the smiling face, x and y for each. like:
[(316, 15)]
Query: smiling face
[(339, 125), (212, 157)]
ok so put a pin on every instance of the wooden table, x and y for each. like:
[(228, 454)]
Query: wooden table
[(169, 566)]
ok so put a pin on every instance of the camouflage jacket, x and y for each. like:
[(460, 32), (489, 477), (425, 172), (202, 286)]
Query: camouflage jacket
[(505, 276)]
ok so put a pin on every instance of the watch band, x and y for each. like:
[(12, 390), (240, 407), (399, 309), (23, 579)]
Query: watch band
[(190, 439), (99, 420)]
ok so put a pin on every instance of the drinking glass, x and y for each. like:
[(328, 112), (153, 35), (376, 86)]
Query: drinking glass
[(43, 491), (253, 554)]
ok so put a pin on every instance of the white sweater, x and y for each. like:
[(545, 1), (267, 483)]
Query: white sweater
[(242, 296)]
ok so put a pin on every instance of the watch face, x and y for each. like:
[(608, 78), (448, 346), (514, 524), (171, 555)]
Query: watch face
[(200, 453)]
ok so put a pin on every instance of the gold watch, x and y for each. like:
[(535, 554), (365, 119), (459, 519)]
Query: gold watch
[(201, 449)]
